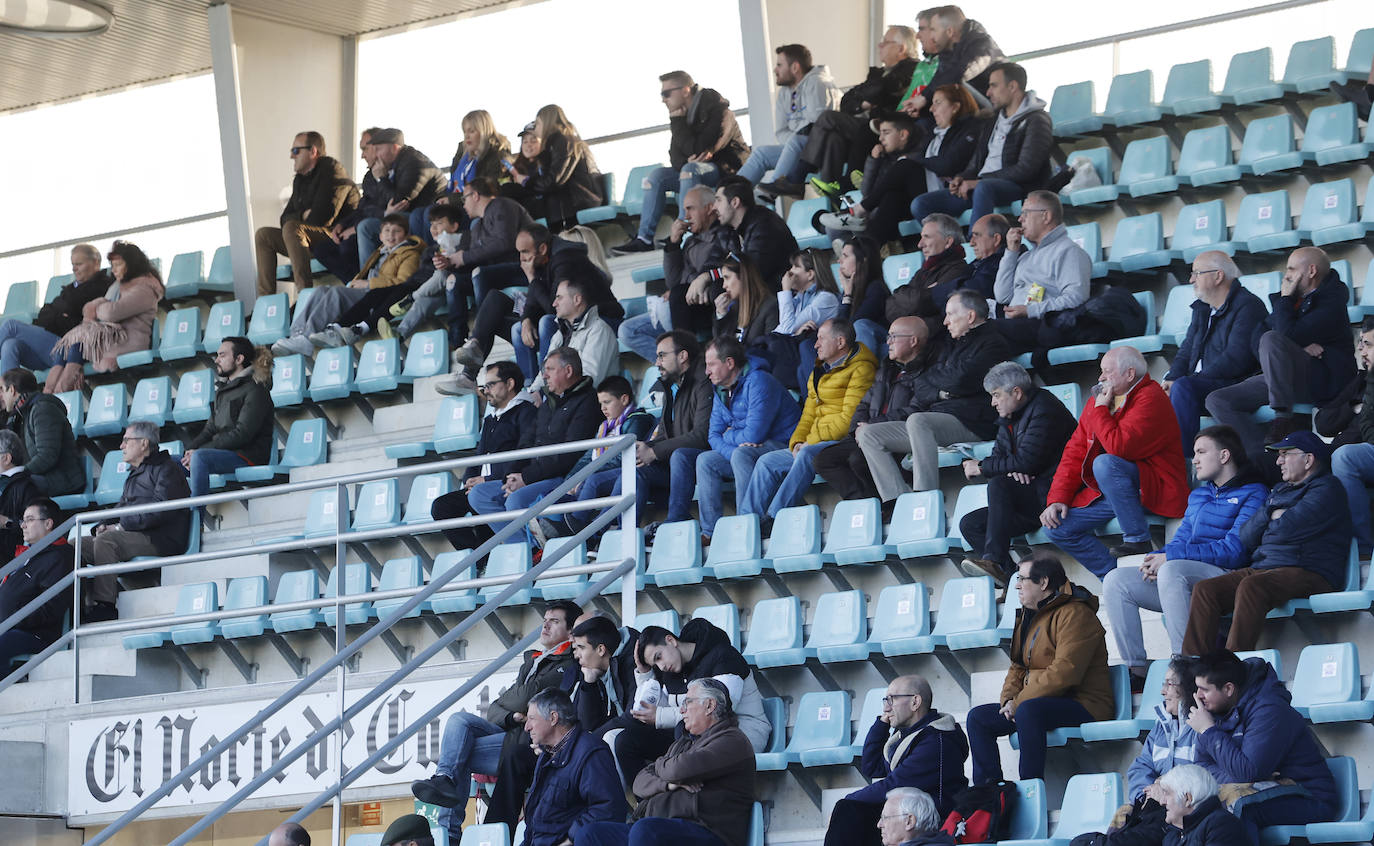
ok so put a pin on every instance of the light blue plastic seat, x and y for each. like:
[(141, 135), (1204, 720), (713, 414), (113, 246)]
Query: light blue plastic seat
[(1347, 813), (631, 202), (140, 358), (839, 628), (245, 592), (221, 275), (736, 548), (869, 713), (795, 542), (775, 634), (1129, 728), (1138, 244), (1268, 146), (612, 549), (365, 839), (78, 501), (396, 574), (147, 638), (55, 286), (185, 276), (332, 377), (774, 755), (1198, 228), (453, 600), (288, 381), (966, 606), (1072, 110), (902, 615), (799, 222), (856, 533), (1088, 237), (108, 410), (194, 394), (1333, 136), (1352, 584), (676, 556), (378, 506), (1173, 325), (180, 334), (321, 517), (820, 736), (21, 301), (113, 471), (971, 498), (1312, 65), (648, 398), (1345, 600), (487, 834), (918, 526), (296, 587), (645, 275), (666, 620), (152, 400), (424, 490), (1090, 802), (508, 559), (199, 598), (1351, 828), (1108, 191), (306, 446), (271, 320), (1145, 167), (1250, 78), (1263, 285), (1130, 100), (1329, 214), (1265, 223), (456, 428), (1030, 815), (1151, 341), (379, 366), (1205, 158), (426, 355), (723, 617), (1361, 55), (564, 587), (75, 401), (898, 269), (225, 321), (357, 580), (1188, 90), (1326, 684)]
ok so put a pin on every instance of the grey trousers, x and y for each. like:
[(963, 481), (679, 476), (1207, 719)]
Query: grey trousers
[(921, 437), (324, 308), (1282, 383), (111, 547), (1125, 592)]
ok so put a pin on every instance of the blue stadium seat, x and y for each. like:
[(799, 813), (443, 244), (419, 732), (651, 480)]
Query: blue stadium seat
[(221, 275), (1268, 146), (856, 533), (271, 320), (795, 542), (1312, 66), (296, 587), (1188, 90), (456, 428), (185, 276), (1121, 692), (379, 366), (55, 286), (1262, 285), (668, 621), (113, 471), (1264, 224), (611, 549), (396, 574), (1350, 829), (508, 559), (321, 519), (1138, 244), (1250, 78), (645, 275), (152, 400), (1198, 228), (332, 377), (1130, 100), (564, 587), (1347, 814), (736, 548), (452, 600), (21, 302), (357, 580), (245, 592), (918, 525), (225, 321), (1072, 110), (775, 634), (774, 755), (631, 202), (799, 222), (1326, 684), (1107, 192), (108, 411), (180, 335), (1173, 325), (1206, 157), (839, 628), (1088, 236), (1333, 136), (676, 556), (967, 607), (1128, 728), (821, 729), (378, 506), (489, 834), (1345, 600), (1352, 584), (305, 447), (1361, 55), (723, 617), (1145, 168), (1090, 802), (199, 598), (898, 269), (78, 501), (648, 398), (288, 381), (868, 714), (424, 489), (426, 355), (971, 498), (75, 401), (902, 616), (1329, 214)]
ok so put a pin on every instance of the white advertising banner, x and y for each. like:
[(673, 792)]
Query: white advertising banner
[(118, 760)]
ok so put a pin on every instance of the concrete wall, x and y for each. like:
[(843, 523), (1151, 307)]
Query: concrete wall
[(841, 41)]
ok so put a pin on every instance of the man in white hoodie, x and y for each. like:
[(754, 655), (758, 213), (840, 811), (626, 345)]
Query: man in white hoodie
[(804, 91)]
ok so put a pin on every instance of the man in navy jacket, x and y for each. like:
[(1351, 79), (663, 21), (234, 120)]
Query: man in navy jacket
[(575, 783)]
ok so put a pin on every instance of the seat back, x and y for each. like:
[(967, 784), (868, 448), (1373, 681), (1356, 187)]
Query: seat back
[(108, 410), (898, 269), (396, 574), (774, 708), (271, 320), (648, 398), (1030, 816), (488, 834), (320, 516), (1136, 235), (1069, 394), (854, 523), (113, 471), (1330, 126), (1308, 59), (1090, 802), (1072, 102), (21, 301), (427, 354), (1347, 788), (1327, 672), (634, 188), (1197, 226), (903, 611), (378, 506), (611, 549), (457, 423), (333, 370), (1145, 158), (1262, 285), (221, 275), (822, 721), (677, 546), (1328, 204), (1271, 656), (245, 592), (152, 400), (1101, 157), (1266, 137), (306, 444), (1153, 694), (55, 286), (841, 618), (1088, 237), (917, 516), (357, 581), (288, 380), (379, 365), (1130, 92), (869, 712), (1187, 81), (971, 498), (1249, 70), (446, 561), (668, 621), (736, 538), (75, 401), (800, 213), (723, 617), (774, 624), (574, 557), (1361, 54), (295, 587), (1204, 149), (508, 559), (180, 334), (966, 605), (184, 276), (197, 598), (225, 321), (423, 491), (1263, 214), (796, 531)]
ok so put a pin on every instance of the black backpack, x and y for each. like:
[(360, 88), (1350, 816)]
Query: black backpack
[(982, 814)]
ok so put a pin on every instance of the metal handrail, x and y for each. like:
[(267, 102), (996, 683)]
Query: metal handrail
[(130, 230)]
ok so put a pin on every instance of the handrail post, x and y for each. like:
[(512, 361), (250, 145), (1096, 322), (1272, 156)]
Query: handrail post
[(340, 636), (629, 522), (76, 614)]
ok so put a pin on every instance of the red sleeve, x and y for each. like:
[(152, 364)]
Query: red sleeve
[(1139, 433), (1068, 478)]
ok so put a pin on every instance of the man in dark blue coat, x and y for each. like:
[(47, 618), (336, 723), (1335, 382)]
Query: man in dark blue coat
[(1248, 728), (1299, 542), (1216, 351), (575, 783), (1305, 349)]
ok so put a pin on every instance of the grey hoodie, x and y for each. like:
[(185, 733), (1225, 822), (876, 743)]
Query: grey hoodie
[(798, 106), (1057, 264)]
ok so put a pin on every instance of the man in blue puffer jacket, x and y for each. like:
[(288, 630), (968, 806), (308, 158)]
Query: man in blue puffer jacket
[(1206, 544)]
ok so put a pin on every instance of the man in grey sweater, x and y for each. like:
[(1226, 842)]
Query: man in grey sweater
[(1033, 285)]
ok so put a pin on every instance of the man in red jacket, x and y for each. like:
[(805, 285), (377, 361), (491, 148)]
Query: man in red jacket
[(1125, 458)]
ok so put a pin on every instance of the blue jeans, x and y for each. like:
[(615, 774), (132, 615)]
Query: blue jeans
[(1124, 593), (488, 498), (599, 484), (780, 480), (1119, 481), (650, 831), (682, 483), (470, 745), (988, 194), (783, 159), (1188, 395), (640, 333), (714, 468), (667, 179), (524, 356), (1283, 810), (369, 231), (1034, 719), (1353, 466), (206, 461), (25, 345)]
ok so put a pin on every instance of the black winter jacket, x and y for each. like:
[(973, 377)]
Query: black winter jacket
[(686, 261), (512, 429), (1032, 440), (569, 260), (491, 238), (21, 587), (873, 306), (968, 59), (241, 419), (984, 277), (573, 416), (63, 314), (568, 178), (1338, 419), (713, 656), (322, 196), (1025, 154), (925, 295), (16, 492), (595, 705), (956, 151), (1210, 824), (1221, 343), (954, 383), (1313, 532), (541, 669), (41, 420), (1318, 318), (709, 125), (413, 178), (766, 240), (893, 395), (687, 419), (158, 479), (882, 89)]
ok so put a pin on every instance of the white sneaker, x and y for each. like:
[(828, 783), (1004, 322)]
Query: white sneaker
[(350, 335), (469, 355), (293, 345), (329, 336)]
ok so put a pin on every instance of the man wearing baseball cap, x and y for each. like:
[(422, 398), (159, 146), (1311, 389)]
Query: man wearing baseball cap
[(1299, 542), (409, 830)]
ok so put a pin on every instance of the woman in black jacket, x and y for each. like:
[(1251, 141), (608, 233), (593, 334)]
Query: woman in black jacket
[(567, 177), (863, 293), (746, 308), (953, 142)]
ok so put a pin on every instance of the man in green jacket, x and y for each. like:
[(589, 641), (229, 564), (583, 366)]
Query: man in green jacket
[(240, 429), (54, 464)]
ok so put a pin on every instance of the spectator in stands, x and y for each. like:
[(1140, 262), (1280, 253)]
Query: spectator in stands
[(524, 165), (752, 415), (705, 145), (44, 624), (602, 683), (30, 344), (1206, 544), (951, 404), (1011, 158), (808, 298), (1216, 351), (407, 180), (581, 328), (759, 234), (1194, 813), (321, 194), (844, 373), (909, 818), (317, 323), (508, 424), (241, 428), (54, 463), (687, 266), (471, 744), (339, 254), (567, 412), (483, 152), (1305, 352), (1058, 675), (842, 137), (118, 323), (574, 782), (1248, 728), (863, 293), (891, 400), (1171, 743), (409, 830), (1123, 460), (942, 272), (746, 308), (910, 745), (804, 92), (154, 476), (289, 834), (950, 142), (1298, 543), (1352, 462), (966, 51), (667, 462), (1032, 428), (1034, 286), (567, 178), (988, 237)]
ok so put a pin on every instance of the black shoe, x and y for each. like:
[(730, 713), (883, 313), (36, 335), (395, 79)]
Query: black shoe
[(1125, 548), (99, 612), (1137, 681), (651, 530), (438, 790), (783, 188), (634, 245)]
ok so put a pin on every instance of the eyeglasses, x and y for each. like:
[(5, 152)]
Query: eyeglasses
[(1027, 210), (1196, 273), (295, 150), (1020, 578), (27, 520), (890, 816), (692, 700), (892, 336), (486, 387), (889, 699), (1168, 683), (126, 439)]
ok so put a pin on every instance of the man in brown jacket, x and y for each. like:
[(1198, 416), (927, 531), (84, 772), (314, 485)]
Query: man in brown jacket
[(1058, 675), (701, 792)]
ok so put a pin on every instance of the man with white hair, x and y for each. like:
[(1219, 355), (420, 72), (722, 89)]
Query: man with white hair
[(1124, 459), (1194, 812), (575, 783), (29, 344), (1216, 352), (909, 819), (941, 274)]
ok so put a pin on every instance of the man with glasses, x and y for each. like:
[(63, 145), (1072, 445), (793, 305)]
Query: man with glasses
[(1353, 459), (909, 818), (43, 625), (910, 744), (667, 462), (1033, 286), (339, 253), (1217, 351), (705, 144), (321, 194)]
